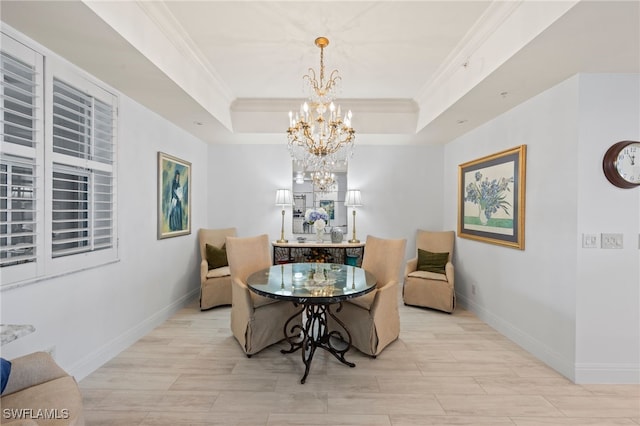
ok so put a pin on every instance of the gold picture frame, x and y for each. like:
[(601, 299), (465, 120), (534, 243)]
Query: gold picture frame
[(491, 198), (174, 196)]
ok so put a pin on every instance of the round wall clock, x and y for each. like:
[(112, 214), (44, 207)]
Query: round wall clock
[(621, 164)]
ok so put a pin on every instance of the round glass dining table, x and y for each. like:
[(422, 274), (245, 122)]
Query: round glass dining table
[(316, 288)]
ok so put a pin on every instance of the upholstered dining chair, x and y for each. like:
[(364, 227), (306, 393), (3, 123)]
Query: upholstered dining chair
[(373, 320), (429, 277), (215, 278), (256, 321)]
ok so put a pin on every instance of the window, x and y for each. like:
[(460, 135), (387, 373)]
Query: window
[(82, 196), (57, 183)]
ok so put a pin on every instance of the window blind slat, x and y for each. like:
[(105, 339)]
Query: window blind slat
[(17, 259)]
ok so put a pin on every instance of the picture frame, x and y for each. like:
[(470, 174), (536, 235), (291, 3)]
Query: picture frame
[(329, 207), (491, 198), (174, 196)]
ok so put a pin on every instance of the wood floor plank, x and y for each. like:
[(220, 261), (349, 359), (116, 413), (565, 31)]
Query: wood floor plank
[(443, 370)]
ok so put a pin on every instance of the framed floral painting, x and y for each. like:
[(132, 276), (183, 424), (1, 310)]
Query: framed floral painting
[(491, 198), (174, 196)]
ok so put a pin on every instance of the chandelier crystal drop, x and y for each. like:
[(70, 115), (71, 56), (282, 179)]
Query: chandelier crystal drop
[(320, 136)]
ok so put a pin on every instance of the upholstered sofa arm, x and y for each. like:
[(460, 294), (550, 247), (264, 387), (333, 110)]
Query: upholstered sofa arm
[(448, 270), (31, 370), (241, 299), (385, 301), (412, 266), (204, 269)]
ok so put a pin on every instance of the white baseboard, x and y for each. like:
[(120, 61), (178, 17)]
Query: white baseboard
[(593, 373), (109, 350), (524, 340)]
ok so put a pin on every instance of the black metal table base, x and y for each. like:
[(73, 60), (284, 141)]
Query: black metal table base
[(314, 333)]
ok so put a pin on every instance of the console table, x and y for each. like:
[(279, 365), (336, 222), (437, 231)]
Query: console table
[(313, 251)]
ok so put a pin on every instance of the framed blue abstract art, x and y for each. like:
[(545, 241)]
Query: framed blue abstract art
[(174, 196)]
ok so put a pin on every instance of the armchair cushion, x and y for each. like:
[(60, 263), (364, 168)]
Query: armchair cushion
[(432, 262), (218, 272), (216, 257), (428, 275)]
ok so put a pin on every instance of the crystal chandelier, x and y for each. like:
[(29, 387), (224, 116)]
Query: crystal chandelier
[(320, 137), (323, 180)]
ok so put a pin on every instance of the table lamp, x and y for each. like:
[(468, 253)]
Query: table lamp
[(353, 199), (283, 198)]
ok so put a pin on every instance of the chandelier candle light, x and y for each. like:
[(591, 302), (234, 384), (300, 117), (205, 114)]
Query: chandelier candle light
[(283, 198), (353, 199), (320, 137)]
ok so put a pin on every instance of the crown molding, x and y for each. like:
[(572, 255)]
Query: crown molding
[(504, 30), (151, 29)]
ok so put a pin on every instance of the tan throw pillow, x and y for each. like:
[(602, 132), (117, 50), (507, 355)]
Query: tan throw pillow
[(432, 262), (216, 257)]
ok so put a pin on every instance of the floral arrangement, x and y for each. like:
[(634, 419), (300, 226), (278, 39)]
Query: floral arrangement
[(313, 215), (489, 195)]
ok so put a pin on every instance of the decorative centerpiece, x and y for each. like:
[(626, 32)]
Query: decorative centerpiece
[(318, 218)]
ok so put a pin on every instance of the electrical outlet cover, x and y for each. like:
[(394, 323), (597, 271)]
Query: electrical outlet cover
[(611, 241), (589, 241)]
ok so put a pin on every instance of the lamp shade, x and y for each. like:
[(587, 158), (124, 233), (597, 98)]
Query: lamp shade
[(353, 198), (283, 197)]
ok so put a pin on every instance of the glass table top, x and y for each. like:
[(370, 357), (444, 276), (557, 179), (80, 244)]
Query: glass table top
[(312, 282)]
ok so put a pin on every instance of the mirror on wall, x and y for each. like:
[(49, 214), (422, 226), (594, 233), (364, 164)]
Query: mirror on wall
[(305, 198)]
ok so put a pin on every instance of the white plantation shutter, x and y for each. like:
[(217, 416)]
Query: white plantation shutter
[(57, 165), (18, 101), (18, 228), (18, 183), (82, 201)]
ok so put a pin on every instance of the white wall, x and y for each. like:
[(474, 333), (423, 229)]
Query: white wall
[(608, 290), (401, 189), (91, 316), (547, 296)]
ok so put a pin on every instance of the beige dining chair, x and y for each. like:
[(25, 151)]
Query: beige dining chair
[(256, 321), (431, 284), (215, 279), (373, 320)]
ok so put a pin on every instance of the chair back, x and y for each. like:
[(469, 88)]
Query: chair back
[(247, 255), (436, 241), (213, 237), (384, 258)]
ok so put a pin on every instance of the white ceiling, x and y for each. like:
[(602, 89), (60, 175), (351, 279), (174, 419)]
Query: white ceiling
[(413, 72)]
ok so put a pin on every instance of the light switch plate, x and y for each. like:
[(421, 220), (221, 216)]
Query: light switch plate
[(611, 241), (589, 241)]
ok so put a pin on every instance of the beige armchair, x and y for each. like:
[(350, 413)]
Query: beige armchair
[(373, 320), (431, 289), (256, 321), (215, 284), (38, 383)]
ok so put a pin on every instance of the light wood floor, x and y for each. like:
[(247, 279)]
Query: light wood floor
[(444, 370)]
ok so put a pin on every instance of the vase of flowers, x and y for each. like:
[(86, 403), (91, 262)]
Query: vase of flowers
[(318, 219), (489, 196)]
